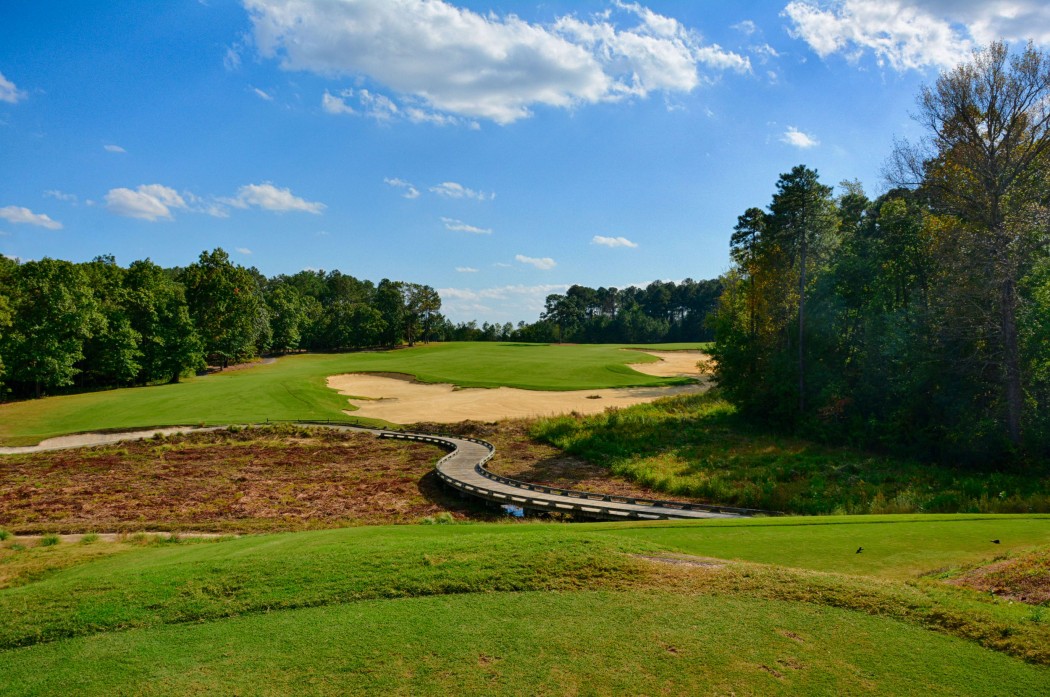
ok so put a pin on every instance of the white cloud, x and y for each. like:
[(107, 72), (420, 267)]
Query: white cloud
[(459, 226), (150, 202), (8, 92), (231, 60), (746, 27), (384, 109), (410, 190), (19, 215), (510, 301), (454, 190), (915, 34), (113, 148), (543, 263), (442, 60), (244, 250), (613, 241), (262, 94), (335, 104), (268, 197), (61, 196), (466, 269), (793, 136)]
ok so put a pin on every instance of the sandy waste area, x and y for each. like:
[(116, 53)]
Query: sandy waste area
[(404, 401)]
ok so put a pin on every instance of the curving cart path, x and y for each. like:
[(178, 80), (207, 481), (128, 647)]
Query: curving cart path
[(463, 469)]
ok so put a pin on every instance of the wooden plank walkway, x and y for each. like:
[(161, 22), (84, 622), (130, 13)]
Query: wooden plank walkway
[(464, 470)]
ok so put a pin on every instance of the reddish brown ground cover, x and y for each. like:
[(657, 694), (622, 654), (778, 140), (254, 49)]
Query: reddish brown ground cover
[(247, 481), (268, 480), (1025, 577)]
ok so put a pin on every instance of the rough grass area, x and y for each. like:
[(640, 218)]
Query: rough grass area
[(1022, 577), (696, 446), (239, 480), (526, 609), (293, 387)]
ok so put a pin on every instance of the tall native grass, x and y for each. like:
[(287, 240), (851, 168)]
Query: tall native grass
[(696, 446)]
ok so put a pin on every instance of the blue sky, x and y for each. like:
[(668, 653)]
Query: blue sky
[(497, 151)]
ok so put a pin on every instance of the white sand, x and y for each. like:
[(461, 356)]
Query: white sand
[(404, 401)]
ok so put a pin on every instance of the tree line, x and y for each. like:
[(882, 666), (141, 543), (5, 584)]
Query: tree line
[(919, 320), (97, 324), (663, 311)]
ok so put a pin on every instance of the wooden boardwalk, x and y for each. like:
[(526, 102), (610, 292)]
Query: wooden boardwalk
[(464, 470)]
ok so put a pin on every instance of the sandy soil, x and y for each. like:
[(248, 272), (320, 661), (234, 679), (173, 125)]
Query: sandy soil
[(81, 440), (401, 400), (672, 363)]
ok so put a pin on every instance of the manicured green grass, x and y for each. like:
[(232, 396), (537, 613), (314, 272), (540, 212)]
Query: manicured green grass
[(175, 583), (894, 546), (294, 387), (528, 644), (697, 446)]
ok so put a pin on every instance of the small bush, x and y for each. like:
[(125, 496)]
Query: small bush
[(4, 534), (89, 538), (49, 540)]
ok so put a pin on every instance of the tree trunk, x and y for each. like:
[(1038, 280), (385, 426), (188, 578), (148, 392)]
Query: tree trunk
[(1011, 363)]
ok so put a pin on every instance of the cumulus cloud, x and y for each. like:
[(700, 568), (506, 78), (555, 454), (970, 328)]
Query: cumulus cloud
[(795, 137), (113, 148), (24, 216), (454, 190), (271, 198), (466, 269), (443, 61), (543, 263), (150, 202), (459, 226), (613, 241), (262, 94), (8, 92), (244, 250), (914, 34), (410, 191)]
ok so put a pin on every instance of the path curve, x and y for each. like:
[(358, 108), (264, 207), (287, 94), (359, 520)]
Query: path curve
[(463, 469)]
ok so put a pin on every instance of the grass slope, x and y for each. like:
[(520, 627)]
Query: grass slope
[(156, 588), (294, 387), (528, 644)]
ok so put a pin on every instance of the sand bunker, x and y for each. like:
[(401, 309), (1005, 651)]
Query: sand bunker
[(401, 400), (672, 363)]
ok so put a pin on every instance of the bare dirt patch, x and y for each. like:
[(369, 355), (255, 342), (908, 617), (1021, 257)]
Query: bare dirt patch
[(245, 481), (403, 401)]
